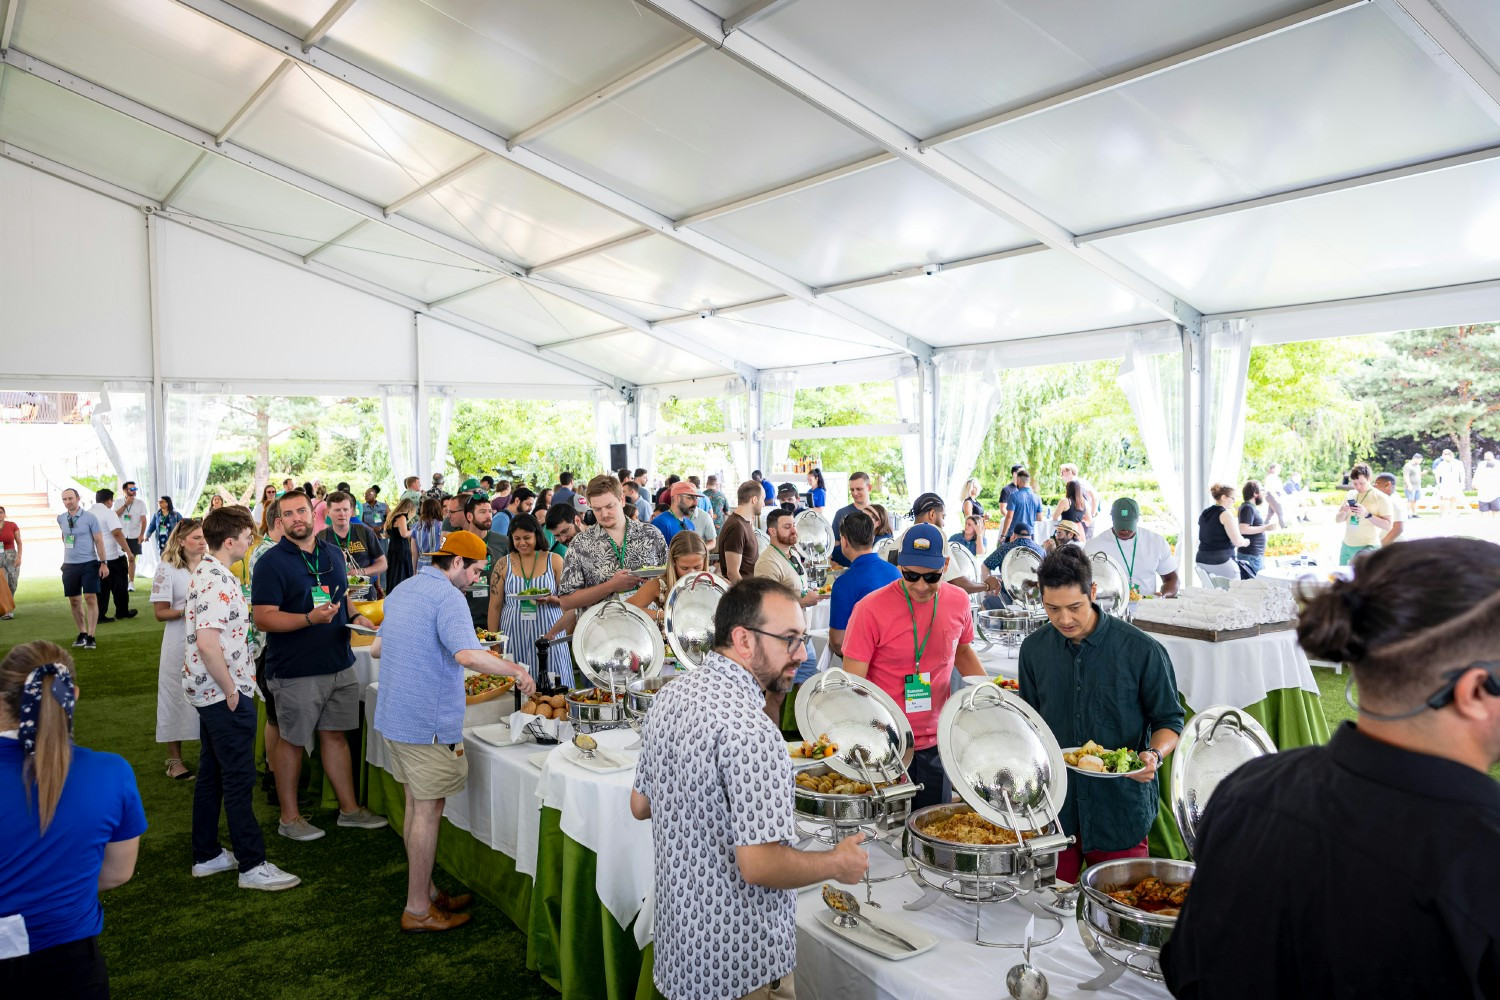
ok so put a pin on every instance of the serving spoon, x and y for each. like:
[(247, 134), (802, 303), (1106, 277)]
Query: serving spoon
[(846, 914)]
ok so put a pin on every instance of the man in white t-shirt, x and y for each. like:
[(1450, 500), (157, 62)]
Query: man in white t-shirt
[(131, 510), (1141, 555), (117, 556), (1386, 483), (1487, 485)]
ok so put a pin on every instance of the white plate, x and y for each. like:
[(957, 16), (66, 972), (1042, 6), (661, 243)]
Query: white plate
[(879, 944), (1097, 774), (361, 629), (496, 735), (625, 759), (539, 760), (648, 573)]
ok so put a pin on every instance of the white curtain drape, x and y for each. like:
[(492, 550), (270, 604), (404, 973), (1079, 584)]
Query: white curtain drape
[(398, 411), (609, 425), (778, 400), (1229, 349), (122, 420), (193, 420), (442, 399), (648, 408), (908, 405), (734, 400), (1151, 379), (968, 398)]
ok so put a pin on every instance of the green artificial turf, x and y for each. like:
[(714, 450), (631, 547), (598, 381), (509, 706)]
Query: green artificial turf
[(168, 935)]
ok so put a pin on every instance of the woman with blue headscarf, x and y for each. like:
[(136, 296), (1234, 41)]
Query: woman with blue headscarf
[(73, 822)]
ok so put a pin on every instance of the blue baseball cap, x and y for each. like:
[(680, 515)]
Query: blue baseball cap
[(923, 547)]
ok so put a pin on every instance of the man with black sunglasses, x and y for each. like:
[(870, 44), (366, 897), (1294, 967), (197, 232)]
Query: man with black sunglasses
[(907, 638)]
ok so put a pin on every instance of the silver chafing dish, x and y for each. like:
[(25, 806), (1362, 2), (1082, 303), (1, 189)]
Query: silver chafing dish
[(1009, 626), (688, 621), (815, 540), (614, 643), (1113, 595), (1007, 767), (1123, 938)]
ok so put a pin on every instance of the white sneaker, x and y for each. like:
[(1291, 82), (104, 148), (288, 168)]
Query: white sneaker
[(268, 877), (299, 829), (223, 863)]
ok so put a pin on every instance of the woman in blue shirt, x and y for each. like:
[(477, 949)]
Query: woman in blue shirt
[(73, 822), (817, 493), (162, 523)]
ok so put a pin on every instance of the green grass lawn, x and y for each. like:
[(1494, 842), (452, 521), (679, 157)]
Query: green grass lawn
[(168, 935)]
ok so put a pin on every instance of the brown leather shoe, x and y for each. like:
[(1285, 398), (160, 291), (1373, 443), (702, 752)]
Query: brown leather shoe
[(433, 920), (453, 904)]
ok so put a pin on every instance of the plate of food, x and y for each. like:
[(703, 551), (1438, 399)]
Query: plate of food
[(535, 592), (1095, 760), (486, 687), (361, 629), (649, 572), (803, 752), (488, 639)]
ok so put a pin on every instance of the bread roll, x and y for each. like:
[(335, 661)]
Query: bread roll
[(556, 701), (1088, 762), (529, 708)]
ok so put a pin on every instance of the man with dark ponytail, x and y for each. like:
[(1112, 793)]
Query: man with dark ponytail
[(1369, 867), (72, 822)]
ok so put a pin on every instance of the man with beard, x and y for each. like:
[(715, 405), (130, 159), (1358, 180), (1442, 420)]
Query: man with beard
[(521, 501), (783, 564), (299, 593), (600, 559), (478, 520), (564, 521), (1142, 556), (859, 499), (683, 500), (739, 548), (715, 781)]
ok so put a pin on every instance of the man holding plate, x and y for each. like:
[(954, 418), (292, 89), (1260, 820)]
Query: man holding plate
[(1094, 677), (604, 559)]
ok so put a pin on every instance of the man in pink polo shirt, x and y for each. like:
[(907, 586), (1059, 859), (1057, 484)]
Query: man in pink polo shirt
[(907, 638)]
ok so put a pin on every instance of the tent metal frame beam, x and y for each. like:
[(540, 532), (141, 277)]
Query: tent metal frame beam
[(1448, 47), (186, 132), (338, 240), (326, 23), (604, 246), (805, 84), (135, 199), (751, 13), (438, 303), (182, 181), (456, 124), (8, 22), (440, 181), (933, 269), (782, 190), (1143, 72), (255, 100), (1298, 194)]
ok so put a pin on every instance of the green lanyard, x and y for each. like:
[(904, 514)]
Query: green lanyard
[(314, 565), (919, 647), (1130, 567), (526, 580), (619, 549)]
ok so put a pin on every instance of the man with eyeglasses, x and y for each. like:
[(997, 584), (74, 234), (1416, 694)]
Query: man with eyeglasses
[(784, 564), (715, 781), (908, 637), (1395, 822), (131, 510)]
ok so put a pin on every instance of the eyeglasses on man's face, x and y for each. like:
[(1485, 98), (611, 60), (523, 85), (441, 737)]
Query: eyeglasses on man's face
[(793, 642)]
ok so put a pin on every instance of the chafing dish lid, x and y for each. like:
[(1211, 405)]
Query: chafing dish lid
[(862, 719), (688, 617), (615, 642), (961, 563), (1214, 742), (1114, 590), (1018, 570), (993, 745), (814, 535)]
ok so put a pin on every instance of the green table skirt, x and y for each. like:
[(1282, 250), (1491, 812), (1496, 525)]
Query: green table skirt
[(1291, 717), (572, 941)]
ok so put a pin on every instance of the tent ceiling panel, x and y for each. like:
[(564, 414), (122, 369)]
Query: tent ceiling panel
[(1031, 296), (161, 54), (510, 63), (656, 278), (876, 221), (72, 271), (453, 355), (825, 337), (516, 214), (1479, 20), (262, 207), (1348, 95), (640, 358), (1421, 232), (949, 49), (404, 263), (322, 127), (49, 120), (529, 312), (228, 313), (704, 132)]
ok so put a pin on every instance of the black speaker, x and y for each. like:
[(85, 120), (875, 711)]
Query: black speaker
[(617, 458)]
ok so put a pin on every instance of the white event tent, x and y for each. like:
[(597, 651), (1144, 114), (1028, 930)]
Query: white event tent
[(619, 199)]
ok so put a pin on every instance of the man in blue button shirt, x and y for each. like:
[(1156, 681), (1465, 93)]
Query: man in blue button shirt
[(1094, 677), (866, 574), (682, 501), (426, 641), (1023, 506)]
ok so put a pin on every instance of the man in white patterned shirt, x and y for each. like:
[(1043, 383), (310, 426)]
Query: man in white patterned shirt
[(218, 677), (716, 782)]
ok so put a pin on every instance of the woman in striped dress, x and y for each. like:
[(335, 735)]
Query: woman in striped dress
[(525, 619)]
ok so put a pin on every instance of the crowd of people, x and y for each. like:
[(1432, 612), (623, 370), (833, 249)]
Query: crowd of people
[(255, 603)]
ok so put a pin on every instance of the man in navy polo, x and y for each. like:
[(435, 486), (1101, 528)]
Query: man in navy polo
[(300, 595), (867, 572)]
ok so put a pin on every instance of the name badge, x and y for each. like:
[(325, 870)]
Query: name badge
[(918, 691), (480, 590), (320, 596), (69, 539), (528, 611)]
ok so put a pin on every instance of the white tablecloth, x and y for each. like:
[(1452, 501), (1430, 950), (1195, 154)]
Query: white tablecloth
[(1239, 672), (366, 667), (829, 968)]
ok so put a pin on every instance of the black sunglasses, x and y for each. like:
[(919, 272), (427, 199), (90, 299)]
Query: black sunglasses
[(911, 577)]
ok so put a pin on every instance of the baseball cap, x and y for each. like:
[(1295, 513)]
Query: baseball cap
[(786, 490), (924, 503), (685, 489), (922, 546), (464, 544), (1125, 513), (469, 484)]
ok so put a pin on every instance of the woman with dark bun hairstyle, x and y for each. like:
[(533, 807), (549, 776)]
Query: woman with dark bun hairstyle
[(1382, 848)]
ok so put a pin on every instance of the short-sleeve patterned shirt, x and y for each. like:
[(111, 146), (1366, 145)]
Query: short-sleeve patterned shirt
[(216, 601), (592, 558), (718, 776)]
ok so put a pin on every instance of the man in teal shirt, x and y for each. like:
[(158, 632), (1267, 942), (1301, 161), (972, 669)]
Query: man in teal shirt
[(1094, 677)]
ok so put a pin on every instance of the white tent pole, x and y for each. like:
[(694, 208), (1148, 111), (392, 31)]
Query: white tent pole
[(157, 426), (420, 421), (1195, 376), (632, 430), (757, 447), (928, 388)]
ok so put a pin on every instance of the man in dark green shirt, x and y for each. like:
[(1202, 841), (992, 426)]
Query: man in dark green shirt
[(1094, 677)]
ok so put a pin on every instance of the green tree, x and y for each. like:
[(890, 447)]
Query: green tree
[(1302, 410), (702, 415), (1442, 382), (844, 406), (536, 438)]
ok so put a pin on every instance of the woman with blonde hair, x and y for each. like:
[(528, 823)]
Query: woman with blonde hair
[(176, 720), (400, 546), (970, 504), (688, 554), (73, 821)]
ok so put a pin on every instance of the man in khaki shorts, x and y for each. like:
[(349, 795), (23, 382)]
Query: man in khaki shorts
[(426, 641)]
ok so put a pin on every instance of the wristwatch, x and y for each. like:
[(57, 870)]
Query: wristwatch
[(1152, 750)]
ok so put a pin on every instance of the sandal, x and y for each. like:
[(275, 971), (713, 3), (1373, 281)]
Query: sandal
[(173, 762)]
